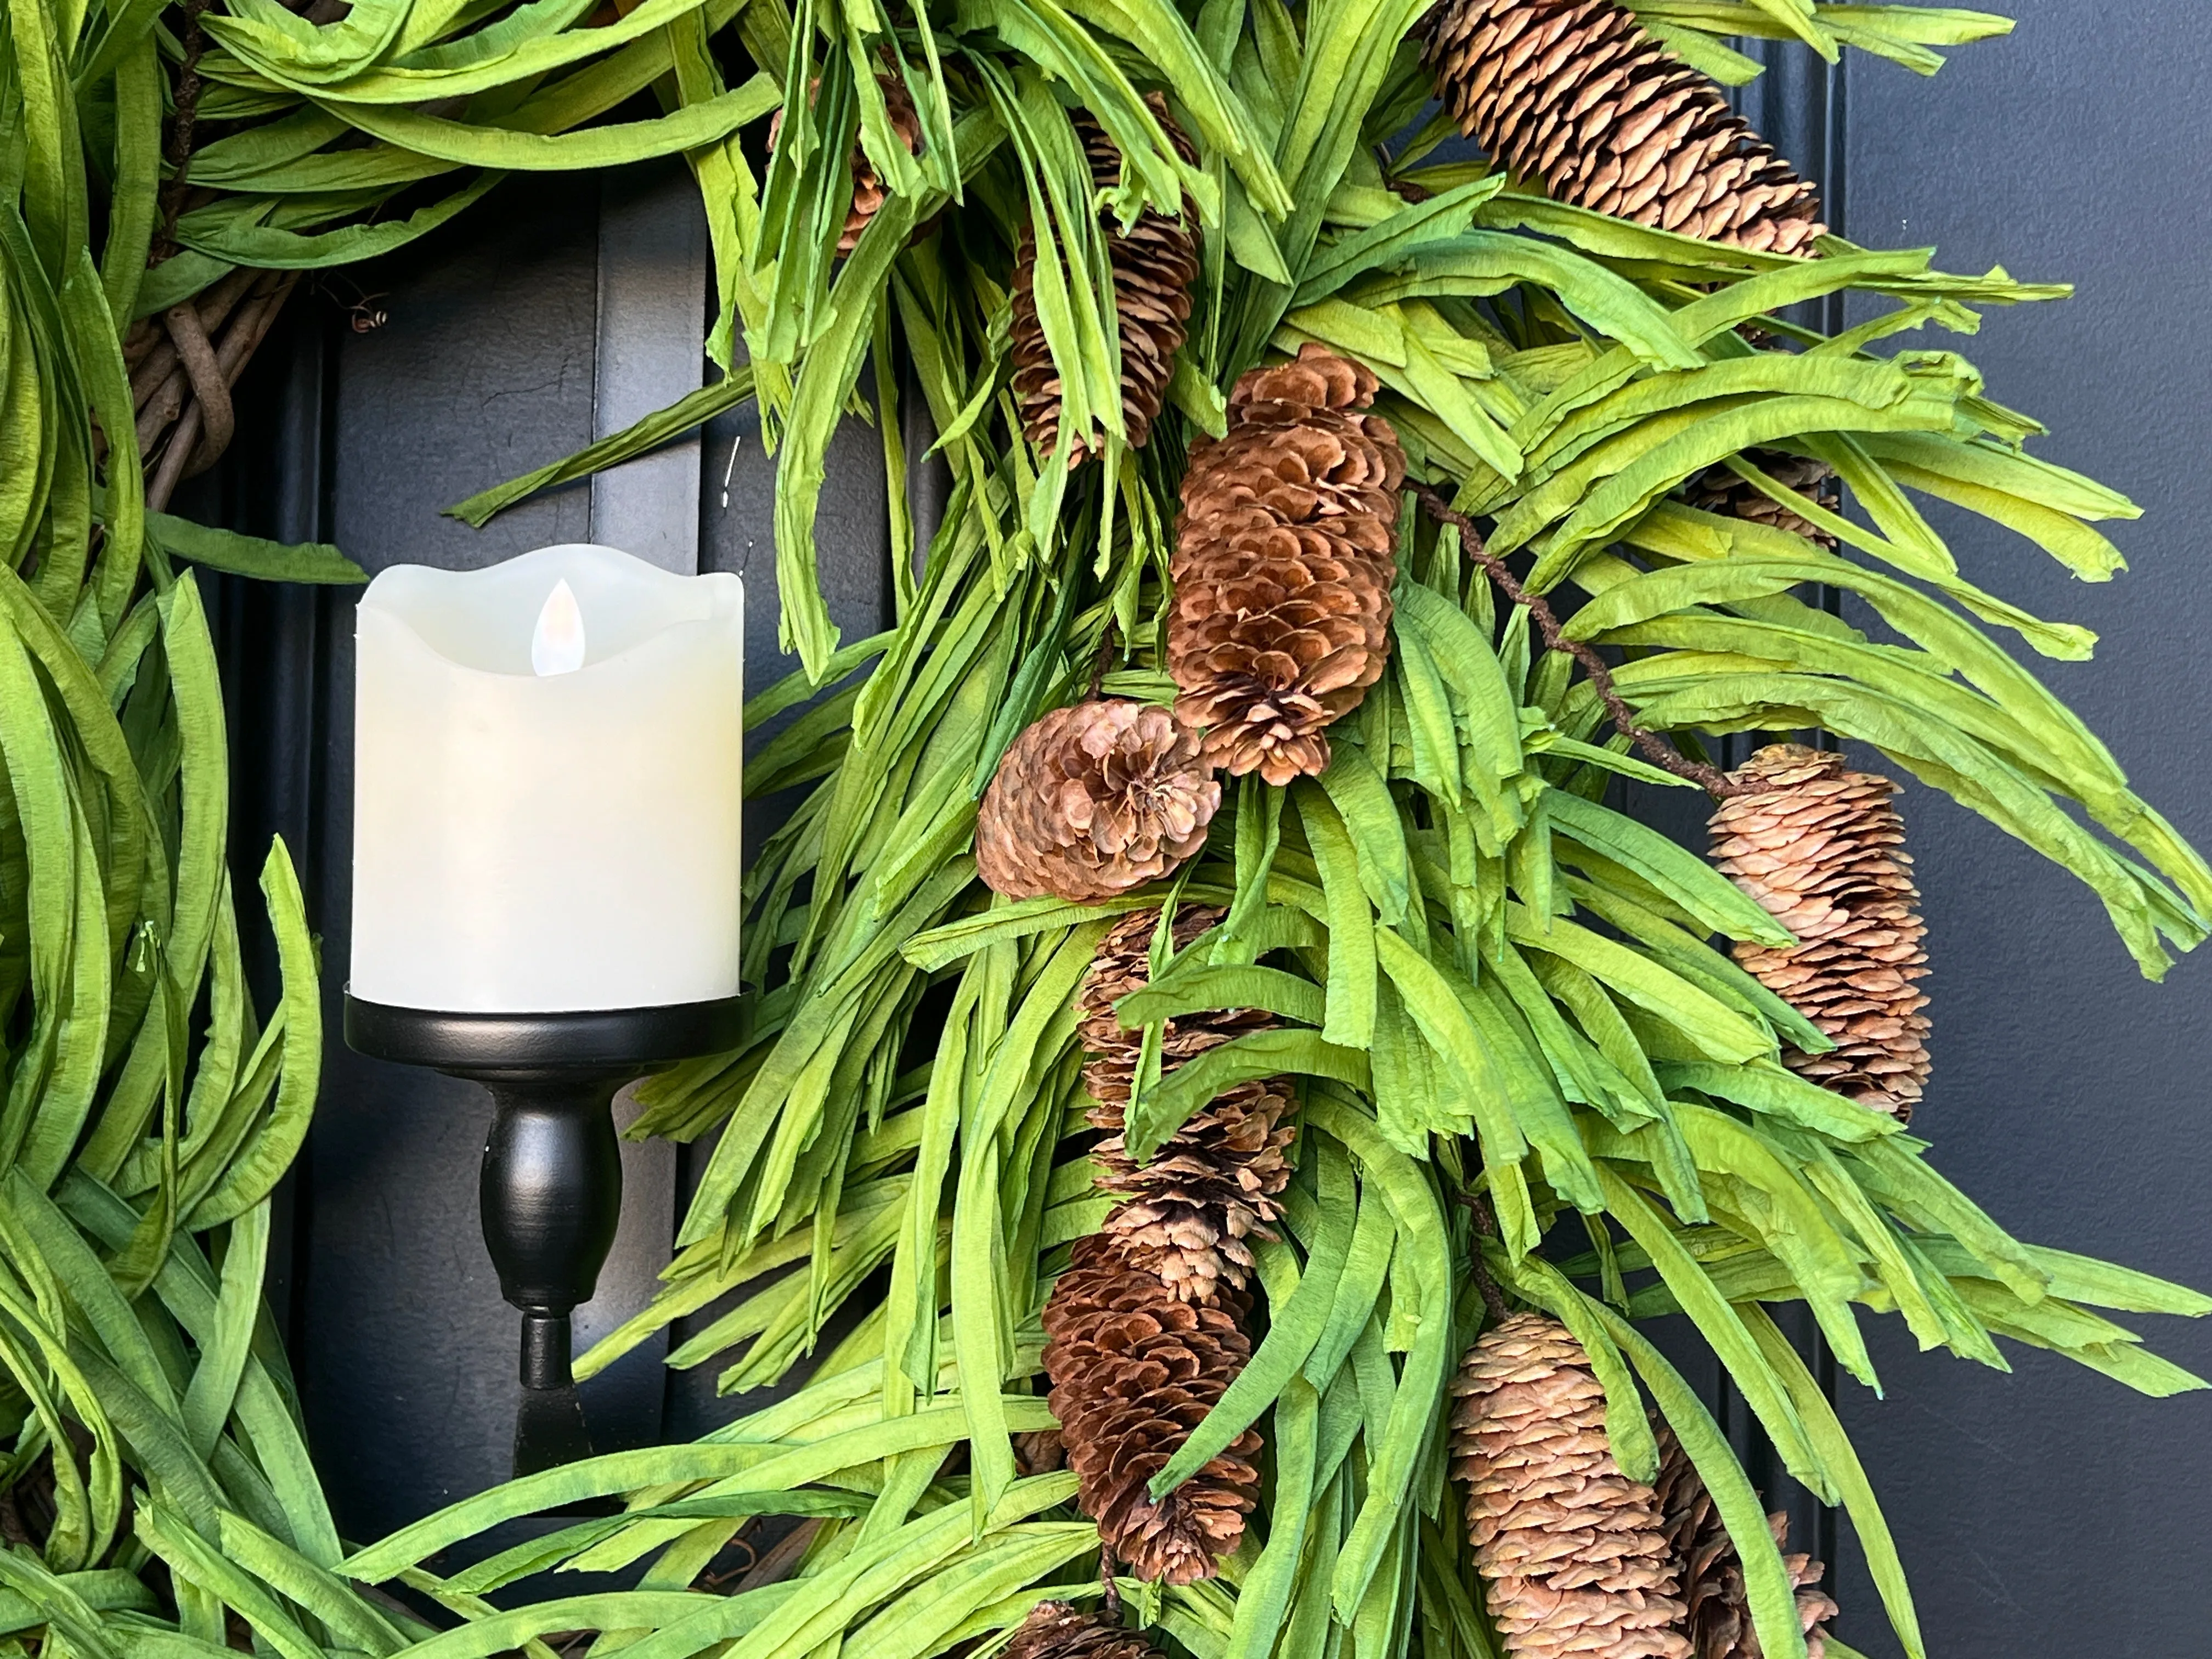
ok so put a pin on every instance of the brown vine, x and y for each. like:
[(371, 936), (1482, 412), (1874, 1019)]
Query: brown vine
[(180, 148), (1485, 1226), (1655, 749)]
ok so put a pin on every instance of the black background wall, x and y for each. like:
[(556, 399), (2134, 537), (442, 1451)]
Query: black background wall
[(2046, 1512)]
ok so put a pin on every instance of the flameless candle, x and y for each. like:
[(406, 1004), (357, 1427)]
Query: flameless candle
[(546, 787)]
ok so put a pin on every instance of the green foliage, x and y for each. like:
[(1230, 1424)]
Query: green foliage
[(1492, 986)]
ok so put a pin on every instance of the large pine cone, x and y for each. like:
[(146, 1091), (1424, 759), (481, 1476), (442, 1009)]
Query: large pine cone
[(1719, 490), (1135, 1370), (1093, 800), (1822, 849), (1572, 1550), (1574, 95), (1284, 556), (1188, 1212), (1054, 1630), (1719, 1623), (1154, 264)]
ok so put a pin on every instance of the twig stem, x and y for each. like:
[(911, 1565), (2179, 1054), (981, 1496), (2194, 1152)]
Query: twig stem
[(1485, 1226), (1656, 750), (180, 131), (1103, 661)]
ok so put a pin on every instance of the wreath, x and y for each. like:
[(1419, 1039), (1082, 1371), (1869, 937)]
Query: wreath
[(1210, 1015)]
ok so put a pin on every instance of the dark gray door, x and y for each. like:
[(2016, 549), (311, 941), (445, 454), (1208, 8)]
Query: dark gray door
[(2053, 1512)]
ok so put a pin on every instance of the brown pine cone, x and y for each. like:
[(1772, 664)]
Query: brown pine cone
[(1719, 490), (1719, 1622), (1134, 1370), (868, 190), (1822, 849), (1093, 800), (1154, 264), (1572, 1551), (1040, 1452), (1573, 95), (1285, 552), (1214, 1184), (1054, 1630)]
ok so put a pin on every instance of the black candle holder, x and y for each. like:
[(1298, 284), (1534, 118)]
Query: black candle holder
[(549, 1192)]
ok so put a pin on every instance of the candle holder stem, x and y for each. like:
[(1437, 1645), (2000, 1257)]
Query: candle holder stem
[(549, 1187), (551, 1195)]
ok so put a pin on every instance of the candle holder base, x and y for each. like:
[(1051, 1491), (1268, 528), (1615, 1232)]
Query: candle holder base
[(550, 1186)]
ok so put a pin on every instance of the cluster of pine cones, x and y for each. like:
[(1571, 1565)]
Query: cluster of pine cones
[(1285, 559), (1145, 1331), (1579, 1560), (1285, 552), (1286, 545)]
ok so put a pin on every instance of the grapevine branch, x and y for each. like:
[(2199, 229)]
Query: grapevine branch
[(180, 130), (1485, 1226), (1656, 750)]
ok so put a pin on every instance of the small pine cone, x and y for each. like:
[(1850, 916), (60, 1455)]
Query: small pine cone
[(1186, 1214), (1719, 490), (868, 191), (1154, 263), (1822, 849), (1572, 1549), (1054, 1630), (1719, 1622), (1093, 800), (1284, 556), (1135, 1370), (1572, 95)]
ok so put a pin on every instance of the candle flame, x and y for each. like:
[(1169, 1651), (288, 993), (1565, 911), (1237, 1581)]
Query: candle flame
[(556, 646)]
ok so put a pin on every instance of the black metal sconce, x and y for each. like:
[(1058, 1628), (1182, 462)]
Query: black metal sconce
[(549, 1192)]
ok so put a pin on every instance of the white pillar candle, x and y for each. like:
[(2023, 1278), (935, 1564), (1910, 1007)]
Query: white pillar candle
[(547, 791)]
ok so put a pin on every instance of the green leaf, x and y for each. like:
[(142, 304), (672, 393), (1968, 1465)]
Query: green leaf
[(640, 437), (251, 556), (1767, 1581)]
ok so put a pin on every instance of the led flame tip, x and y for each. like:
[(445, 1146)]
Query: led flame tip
[(556, 644)]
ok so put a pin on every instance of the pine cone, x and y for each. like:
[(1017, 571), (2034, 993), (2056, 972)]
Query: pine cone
[(1573, 1552), (1822, 849), (1572, 95), (1134, 1370), (1719, 490), (1214, 1184), (1093, 800), (1285, 555), (1719, 1621), (868, 191), (1054, 1630), (1154, 264)]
